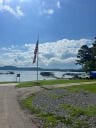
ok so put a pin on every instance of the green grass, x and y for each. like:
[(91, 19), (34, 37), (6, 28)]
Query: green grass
[(77, 111), (51, 82), (48, 118), (27, 103), (7, 82), (55, 96), (87, 88), (81, 124)]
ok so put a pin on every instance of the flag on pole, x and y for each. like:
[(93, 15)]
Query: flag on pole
[(35, 52)]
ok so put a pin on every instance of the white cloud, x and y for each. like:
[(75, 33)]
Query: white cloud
[(1, 1), (59, 54), (8, 1), (39, 7), (46, 8), (48, 11), (24, 0), (17, 12), (58, 4)]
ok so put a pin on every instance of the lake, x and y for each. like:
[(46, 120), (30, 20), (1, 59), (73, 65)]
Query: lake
[(27, 76)]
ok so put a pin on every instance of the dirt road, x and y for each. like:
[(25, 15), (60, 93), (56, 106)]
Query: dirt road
[(11, 115)]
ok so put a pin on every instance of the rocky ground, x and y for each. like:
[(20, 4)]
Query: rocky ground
[(63, 103)]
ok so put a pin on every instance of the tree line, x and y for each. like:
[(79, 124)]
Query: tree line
[(87, 57)]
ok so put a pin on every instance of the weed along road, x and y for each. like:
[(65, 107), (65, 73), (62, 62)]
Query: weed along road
[(11, 115)]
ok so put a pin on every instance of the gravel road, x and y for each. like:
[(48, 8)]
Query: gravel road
[(11, 115)]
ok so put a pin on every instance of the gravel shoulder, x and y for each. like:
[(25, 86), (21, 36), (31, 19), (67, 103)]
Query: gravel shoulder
[(46, 100), (71, 107)]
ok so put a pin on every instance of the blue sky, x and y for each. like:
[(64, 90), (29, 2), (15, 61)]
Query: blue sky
[(55, 20)]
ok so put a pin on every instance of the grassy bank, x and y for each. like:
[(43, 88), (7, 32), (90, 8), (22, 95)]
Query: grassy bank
[(51, 82), (7, 82), (87, 88), (76, 117)]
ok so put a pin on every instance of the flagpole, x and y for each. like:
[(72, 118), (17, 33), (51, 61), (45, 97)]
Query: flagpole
[(37, 58), (36, 53), (37, 67)]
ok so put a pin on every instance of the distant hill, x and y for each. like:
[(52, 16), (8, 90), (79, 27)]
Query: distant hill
[(8, 68), (35, 68), (18, 68)]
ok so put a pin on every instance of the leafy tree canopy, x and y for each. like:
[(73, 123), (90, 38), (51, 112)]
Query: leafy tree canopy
[(87, 57)]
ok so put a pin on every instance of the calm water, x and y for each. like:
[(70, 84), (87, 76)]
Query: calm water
[(29, 76), (25, 76)]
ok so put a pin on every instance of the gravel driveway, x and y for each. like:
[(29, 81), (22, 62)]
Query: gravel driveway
[(11, 115)]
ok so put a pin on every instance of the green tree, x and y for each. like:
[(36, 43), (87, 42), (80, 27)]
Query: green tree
[(83, 56), (93, 51), (87, 57)]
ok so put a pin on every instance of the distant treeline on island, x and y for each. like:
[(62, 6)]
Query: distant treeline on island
[(35, 68)]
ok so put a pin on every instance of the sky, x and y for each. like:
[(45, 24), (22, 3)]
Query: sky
[(63, 27)]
